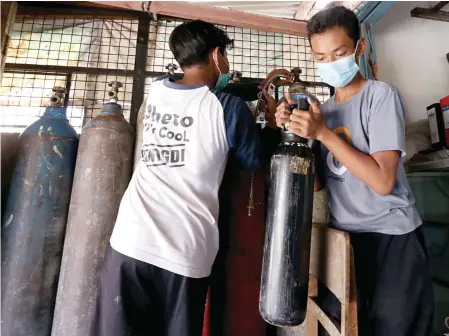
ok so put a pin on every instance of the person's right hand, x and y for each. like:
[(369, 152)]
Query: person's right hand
[(283, 112), (283, 115)]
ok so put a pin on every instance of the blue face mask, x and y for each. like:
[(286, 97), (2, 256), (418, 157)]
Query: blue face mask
[(223, 79), (339, 73)]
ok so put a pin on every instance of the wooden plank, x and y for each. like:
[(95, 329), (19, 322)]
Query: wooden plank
[(325, 321), (329, 260), (128, 5), (311, 318), (215, 15), (304, 8), (352, 326)]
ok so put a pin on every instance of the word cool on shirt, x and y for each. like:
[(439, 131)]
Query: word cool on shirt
[(170, 131)]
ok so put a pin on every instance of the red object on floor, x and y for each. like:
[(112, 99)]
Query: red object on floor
[(206, 323), (444, 103)]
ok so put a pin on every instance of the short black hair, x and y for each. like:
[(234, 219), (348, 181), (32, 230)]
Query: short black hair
[(338, 16), (191, 42)]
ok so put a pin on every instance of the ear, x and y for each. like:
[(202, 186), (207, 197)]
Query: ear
[(214, 60), (215, 52), (361, 47)]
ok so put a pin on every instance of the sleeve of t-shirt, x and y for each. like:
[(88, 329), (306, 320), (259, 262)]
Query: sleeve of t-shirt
[(241, 130), (386, 125), (247, 91)]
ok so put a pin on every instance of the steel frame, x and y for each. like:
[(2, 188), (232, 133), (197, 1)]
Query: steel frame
[(139, 74)]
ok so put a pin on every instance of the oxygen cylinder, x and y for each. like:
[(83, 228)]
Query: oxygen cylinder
[(171, 68), (103, 170), (285, 269), (35, 220)]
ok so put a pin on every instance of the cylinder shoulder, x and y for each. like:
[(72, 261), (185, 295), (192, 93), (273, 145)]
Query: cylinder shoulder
[(294, 149), (52, 127), (114, 122)]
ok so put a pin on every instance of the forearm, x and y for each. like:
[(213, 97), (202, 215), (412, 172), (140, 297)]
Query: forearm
[(361, 165)]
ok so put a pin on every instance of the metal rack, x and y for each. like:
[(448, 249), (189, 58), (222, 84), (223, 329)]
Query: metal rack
[(71, 47)]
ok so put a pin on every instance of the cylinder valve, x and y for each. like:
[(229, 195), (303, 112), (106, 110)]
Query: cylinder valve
[(235, 77), (113, 91), (298, 92), (171, 68), (57, 98)]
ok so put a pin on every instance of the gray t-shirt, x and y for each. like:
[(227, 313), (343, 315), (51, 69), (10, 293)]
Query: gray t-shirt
[(371, 121)]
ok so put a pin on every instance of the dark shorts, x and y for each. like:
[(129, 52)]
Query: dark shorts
[(139, 299), (394, 287)]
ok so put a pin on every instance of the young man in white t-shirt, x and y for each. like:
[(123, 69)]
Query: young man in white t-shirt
[(165, 239)]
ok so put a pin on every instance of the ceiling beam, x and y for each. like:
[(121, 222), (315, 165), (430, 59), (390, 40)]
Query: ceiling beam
[(440, 5), (212, 14), (303, 10), (247, 4)]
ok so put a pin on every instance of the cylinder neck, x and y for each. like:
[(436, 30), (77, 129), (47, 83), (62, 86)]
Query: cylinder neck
[(55, 112), (111, 109), (289, 136)]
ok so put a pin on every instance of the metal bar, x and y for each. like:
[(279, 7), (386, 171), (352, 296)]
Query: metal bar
[(75, 8), (211, 14), (439, 5), (48, 69), (430, 14), (9, 13), (67, 69), (250, 80), (143, 33), (227, 17), (68, 87)]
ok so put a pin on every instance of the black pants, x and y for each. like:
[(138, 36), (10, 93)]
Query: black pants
[(139, 299), (395, 294)]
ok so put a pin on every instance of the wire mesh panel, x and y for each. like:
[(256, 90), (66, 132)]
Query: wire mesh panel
[(71, 41), (23, 97), (89, 92), (255, 53), (84, 52), (148, 82), (159, 53), (67, 42)]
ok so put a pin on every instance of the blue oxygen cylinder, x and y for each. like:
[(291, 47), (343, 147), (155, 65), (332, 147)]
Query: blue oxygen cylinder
[(35, 220)]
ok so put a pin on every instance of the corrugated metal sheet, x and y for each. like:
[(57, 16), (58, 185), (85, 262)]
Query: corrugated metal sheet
[(300, 10)]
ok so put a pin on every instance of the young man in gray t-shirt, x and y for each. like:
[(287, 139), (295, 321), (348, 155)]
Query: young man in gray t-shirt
[(361, 131)]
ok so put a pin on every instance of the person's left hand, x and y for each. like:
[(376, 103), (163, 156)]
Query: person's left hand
[(308, 124), (286, 78), (268, 105)]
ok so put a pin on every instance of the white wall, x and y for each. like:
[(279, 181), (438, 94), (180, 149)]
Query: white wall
[(411, 55)]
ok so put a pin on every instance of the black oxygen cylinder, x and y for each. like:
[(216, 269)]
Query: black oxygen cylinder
[(285, 268)]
